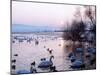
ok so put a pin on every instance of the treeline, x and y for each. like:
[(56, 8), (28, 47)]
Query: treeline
[(82, 29), (82, 32)]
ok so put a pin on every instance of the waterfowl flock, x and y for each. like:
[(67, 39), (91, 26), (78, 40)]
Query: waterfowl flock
[(45, 63), (21, 39), (80, 62), (77, 58)]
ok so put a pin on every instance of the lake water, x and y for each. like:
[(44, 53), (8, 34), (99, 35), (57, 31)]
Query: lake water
[(30, 51)]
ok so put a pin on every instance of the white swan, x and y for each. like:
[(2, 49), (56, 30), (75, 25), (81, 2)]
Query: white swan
[(46, 64)]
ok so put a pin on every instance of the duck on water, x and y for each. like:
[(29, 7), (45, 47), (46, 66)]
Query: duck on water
[(33, 68)]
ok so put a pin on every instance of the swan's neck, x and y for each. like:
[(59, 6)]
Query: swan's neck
[(51, 59)]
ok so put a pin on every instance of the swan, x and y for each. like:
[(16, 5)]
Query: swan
[(46, 64), (78, 64), (70, 54), (91, 50), (72, 58), (23, 72), (79, 50)]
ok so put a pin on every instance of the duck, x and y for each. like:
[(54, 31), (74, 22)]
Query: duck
[(36, 42), (13, 67), (20, 40), (13, 61), (29, 40), (13, 41), (33, 63), (49, 50), (15, 54), (46, 64), (33, 68)]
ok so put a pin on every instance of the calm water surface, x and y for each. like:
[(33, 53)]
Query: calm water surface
[(29, 52)]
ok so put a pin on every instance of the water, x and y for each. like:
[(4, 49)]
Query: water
[(30, 51)]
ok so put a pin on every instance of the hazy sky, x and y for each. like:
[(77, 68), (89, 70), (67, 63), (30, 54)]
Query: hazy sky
[(28, 13)]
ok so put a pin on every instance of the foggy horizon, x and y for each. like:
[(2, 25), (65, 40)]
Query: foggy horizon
[(42, 14)]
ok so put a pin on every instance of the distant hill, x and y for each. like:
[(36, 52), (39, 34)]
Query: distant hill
[(30, 28)]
